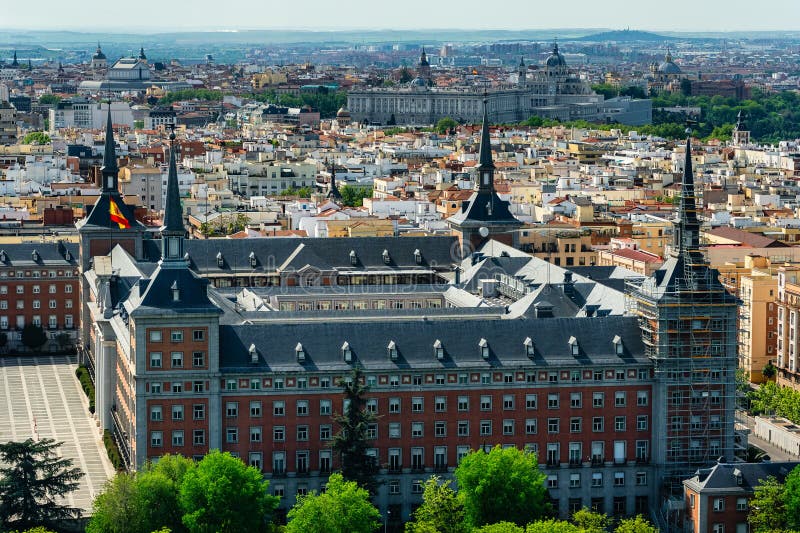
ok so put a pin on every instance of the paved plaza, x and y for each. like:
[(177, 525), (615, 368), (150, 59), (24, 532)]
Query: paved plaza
[(40, 397)]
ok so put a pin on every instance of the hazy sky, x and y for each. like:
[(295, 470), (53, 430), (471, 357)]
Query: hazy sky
[(143, 15)]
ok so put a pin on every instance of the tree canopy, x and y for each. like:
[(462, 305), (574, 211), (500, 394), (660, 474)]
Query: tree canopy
[(223, 495), (36, 137), (442, 510), (512, 478), (354, 196), (344, 507), (636, 524), (767, 508), (33, 478)]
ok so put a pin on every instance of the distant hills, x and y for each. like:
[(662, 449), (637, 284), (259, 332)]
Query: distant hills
[(627, 36)]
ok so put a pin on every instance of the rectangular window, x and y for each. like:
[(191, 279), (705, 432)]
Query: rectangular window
[(302, 433), (597, 479), (155, 359), (176, 336), (598, 399), (486, 403), (416, 429), (642, 398), (232, 435), (619, 423), (530, 426), (177, 359), (371, 406), (232, 409), (394, 430), (486, 428), (440, 429), (530, 401), (575, 400), (619, 479), (325, 407), (641, 423), (394, 405), (279, 408), (177, 438), (597, 424), (552, 425), (156, 439), (619, 399), (440, 404), (199, 437), (302, 407), (575, 424), (199, 410), (156, 413), (177, 412), (325, 432), (508, 427), (198, 359), (508, 402), (199, 386), (198, 335), (552, 400), (416, 404), (463, 428), (255, 434)]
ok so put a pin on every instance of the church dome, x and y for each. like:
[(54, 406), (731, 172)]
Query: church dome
[(98, 54), (556, 59), (419, 83), (343, 113), (669, 66)]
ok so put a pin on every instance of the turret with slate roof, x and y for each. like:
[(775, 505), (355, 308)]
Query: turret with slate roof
[(485, 215), (110, 221)]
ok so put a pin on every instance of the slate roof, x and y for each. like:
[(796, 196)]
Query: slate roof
[(322, 343), (49, 254), (722, 477), (287, 253)]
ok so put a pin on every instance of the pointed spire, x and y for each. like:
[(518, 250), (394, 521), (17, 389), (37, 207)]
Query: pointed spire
[(110, 168), (173, 212), (333, 191), (688, 231), (485, 166)]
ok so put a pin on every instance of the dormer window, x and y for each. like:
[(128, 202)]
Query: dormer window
[(530, 349), (417, 256), (386, 257), (253, 354), (392, 349), (347, 352), (353, 258), (220, 260), (619, 348), (35, 256), (483, 344), (300, 352), (252, 258), (438, 349), (738, 475), (3, 256), (574, 347), (67, 257), (176, 293)]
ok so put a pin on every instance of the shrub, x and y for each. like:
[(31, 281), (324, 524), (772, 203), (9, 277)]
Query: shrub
[(86, 383), (113, 451)]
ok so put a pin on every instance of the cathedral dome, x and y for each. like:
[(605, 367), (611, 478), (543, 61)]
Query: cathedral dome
[(343, 113), (668, 66), (556, 59)]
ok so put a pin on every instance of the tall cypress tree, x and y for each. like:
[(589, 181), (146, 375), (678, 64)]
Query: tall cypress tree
[(32, 479), (351, 443)]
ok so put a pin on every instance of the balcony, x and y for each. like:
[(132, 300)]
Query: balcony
[(642, 460), (598, 460), (575, 461), (439, 468), (279, 473), (553, 462), (395, 469), (418, 468)]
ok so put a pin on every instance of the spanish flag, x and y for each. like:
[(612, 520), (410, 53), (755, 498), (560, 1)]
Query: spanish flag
[(116, 215)]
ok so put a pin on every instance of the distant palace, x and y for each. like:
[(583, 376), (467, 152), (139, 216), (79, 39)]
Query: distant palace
[(552, 92)]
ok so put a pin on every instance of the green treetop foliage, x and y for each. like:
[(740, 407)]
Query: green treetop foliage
[(635, 525), (768, 507), (354, 196), (792, 499), (344, 507), (142, 502), (512, 478), (36, 137), (590, 522), (223, 495), (326, 101), (191, 94), (49, 99), (442, 510), (501, 527), (772, 399), (302, 192), (351, 442), (33, 480), (33, 336), (445, 125), (552, 526)]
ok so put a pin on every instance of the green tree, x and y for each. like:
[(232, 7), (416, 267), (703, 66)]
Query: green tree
[(552, 526), (344, 507), (792, 498), (33, 336), (114, 508), (441, 510), (351, 443), (49, 99), (445, 125), (769, 371), (768, 507), (33, 479), (405, 75), (500, 527), (590, 522), (512, 478), (36, 137), (606, 89), (635, 525), (222, 494), (354, 196)]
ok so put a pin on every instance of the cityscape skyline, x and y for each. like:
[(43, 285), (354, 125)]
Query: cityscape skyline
[(683, 15)]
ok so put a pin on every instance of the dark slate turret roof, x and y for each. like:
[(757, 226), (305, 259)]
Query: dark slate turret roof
[(173, 212), (110, 166), (414, 339)]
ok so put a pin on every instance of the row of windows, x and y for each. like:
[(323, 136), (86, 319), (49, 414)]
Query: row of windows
[(36, 320), (36, 289), (157, 412), (597, 480), (36, 304), (417, 380), (486, 402), (177, 387), (198, 438), (36, 273), (176, 335), (176, 359)]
